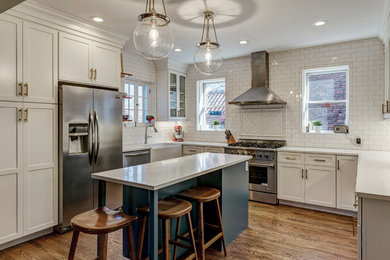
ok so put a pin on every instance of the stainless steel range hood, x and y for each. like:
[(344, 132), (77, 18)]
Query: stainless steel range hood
[(260, 95)]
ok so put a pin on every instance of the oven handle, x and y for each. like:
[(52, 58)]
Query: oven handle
[(261, 164)]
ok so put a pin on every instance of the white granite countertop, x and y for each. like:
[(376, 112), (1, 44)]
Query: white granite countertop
[(373, 175), (157, 175), (137, 147)]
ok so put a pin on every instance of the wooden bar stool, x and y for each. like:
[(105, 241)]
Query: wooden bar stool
[(102, 221), (168, 208), (202, 195)]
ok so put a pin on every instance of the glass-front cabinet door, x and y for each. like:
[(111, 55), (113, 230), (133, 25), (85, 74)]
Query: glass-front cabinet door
[(177, 96)]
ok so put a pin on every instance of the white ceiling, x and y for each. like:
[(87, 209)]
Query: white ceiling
[(270, 25)]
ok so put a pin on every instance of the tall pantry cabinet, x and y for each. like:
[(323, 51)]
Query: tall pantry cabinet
[(28, 112)]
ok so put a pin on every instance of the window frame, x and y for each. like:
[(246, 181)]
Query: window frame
[(138, 83), (305, 92), (200, 101)]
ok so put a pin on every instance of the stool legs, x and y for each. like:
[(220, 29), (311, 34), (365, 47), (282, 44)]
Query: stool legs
[(166, 230), (200, 211), (178, 225), (141, 235), (73, 245), (102, 240), (218, 209), (130, 242), (189, 223)]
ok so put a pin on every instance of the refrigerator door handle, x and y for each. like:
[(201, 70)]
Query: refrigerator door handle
[(90, 137), (97, 136)]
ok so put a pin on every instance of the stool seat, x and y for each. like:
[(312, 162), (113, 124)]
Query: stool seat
[(200, 194), (101, 220), (169, 208)]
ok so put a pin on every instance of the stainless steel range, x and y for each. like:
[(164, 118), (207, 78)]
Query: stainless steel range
[(262, 167)]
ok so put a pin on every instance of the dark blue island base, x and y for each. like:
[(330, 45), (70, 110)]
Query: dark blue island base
[(231, 181)]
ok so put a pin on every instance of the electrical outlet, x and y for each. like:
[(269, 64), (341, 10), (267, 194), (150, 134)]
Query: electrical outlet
[(341, 129), (358, 140)]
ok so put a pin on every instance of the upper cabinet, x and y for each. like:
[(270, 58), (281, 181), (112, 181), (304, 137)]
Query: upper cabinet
[(28, 58), (171, 90), (85, 61), (177, 96)]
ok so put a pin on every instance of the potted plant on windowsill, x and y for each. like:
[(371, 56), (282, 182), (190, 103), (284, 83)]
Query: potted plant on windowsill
[(317, 126), (215, 125)]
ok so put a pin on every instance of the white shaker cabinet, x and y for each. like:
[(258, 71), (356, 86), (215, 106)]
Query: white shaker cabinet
[(320, 186), (40, 164), (28, 61), (40, 63), (291, 182), (85, 61), (28, 168), (10, 58), (346, 182), (75, 58), (307, 178), (106, 65), (11, 172)]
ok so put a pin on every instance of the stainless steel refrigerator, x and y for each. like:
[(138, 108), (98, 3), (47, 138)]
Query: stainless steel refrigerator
[(90, 140)]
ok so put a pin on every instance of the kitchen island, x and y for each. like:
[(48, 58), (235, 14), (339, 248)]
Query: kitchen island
[(146, 184)]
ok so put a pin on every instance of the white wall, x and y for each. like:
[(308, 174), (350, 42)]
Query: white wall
[(366, 61), (143, 70)]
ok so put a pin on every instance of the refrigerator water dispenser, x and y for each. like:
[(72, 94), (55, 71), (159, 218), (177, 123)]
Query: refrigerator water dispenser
[(78, 138)]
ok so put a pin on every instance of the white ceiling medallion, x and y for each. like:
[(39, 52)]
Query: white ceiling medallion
[(152, 37)]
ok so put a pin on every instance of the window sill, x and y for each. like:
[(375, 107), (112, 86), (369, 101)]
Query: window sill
[(209, 130), (324, 133)]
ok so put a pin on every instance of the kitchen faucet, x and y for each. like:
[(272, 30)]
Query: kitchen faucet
[(146, 131)]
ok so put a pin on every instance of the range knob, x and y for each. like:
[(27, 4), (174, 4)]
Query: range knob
[(260, 156), (254, 154), (266, 156), (242, 153), (231, 152)]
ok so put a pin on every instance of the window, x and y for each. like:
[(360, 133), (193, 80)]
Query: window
[(136, 104), (325, 97), (211, 104)]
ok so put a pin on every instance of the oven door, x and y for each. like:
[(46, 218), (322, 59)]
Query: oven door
[(262, 177)]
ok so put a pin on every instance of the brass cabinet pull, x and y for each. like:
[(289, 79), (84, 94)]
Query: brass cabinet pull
[(91, 70), (95, 74), (20, 114), (338, 164), (26, 90), (319, 160), (291, 158), (26, 115), (385, 107), (302, 174), (192, 151), (19, 89), (306, 174)]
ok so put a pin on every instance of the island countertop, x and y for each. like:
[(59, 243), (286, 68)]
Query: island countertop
[(157, 175)]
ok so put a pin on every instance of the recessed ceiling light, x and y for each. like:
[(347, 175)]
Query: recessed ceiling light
[(243, 42), (178, 50), (97, 19), (320, 23), (334, 58)]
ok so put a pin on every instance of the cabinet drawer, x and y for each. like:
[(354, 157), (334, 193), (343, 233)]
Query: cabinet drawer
[(294, 158), (187, 149), (320, 160), (214, 150)]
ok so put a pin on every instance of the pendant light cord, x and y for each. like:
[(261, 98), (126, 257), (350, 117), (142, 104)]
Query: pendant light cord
[(149, 8)]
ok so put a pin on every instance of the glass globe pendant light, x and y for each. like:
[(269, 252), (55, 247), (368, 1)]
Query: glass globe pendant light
[(208, 57), (152, 37)]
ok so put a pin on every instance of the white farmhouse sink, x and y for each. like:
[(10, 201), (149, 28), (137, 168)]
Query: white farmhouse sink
[(164, 151)]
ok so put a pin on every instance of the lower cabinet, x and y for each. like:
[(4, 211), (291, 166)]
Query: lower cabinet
[(346, 182), (318, 179), (28, 169), (320, 186), (291, 184)]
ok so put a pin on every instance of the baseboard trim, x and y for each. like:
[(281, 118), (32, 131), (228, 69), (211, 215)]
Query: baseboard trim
[(318, 208), (26, 238)]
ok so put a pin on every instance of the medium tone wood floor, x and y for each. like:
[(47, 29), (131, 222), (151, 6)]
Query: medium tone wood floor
[(274, 232)]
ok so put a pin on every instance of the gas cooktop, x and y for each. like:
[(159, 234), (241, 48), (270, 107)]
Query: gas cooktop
[(262, 144)]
